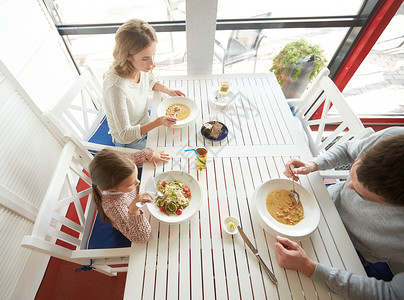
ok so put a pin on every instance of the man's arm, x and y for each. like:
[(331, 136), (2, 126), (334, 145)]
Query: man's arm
[(351, 150), (351, 286)]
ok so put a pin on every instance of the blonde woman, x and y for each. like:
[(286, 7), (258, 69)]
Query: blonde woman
[(128, 83)]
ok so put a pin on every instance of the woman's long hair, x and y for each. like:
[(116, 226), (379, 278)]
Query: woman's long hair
[(131, 38), (107, 170)]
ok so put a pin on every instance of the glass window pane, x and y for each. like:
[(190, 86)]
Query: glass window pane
[(96, 52), (231, 9), (117, 11), (377, 86), (275, 39)]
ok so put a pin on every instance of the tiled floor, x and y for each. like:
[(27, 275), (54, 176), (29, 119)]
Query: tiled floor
[(61, 282)]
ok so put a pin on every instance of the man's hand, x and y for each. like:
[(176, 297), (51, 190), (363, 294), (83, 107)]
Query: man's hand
[(301, 167), (291, 256)]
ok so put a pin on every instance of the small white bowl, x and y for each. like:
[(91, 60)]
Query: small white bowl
[(228, 220)]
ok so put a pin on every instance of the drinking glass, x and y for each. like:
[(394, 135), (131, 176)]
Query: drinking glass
[(201, 158), (224, 88)]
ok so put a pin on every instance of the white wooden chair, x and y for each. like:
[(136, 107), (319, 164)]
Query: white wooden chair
[(80, 111), (335, 114), (58, 236)]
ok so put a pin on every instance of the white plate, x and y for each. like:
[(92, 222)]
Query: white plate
[(162, 107), (301, 230), (230, 98), (194, 205)]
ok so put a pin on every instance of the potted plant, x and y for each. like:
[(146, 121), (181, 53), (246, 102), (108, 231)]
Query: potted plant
[(296, 65)]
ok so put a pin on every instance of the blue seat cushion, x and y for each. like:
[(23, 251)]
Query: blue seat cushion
[(101, 136), (104, 235), (378, 270)]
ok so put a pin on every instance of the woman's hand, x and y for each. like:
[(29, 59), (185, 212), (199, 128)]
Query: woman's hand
[(162, 88), (291, 256), (174, 93), (141, 197), (159, 156), (301, 167), (166, 121)]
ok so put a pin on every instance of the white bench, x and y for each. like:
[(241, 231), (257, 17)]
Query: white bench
[(52, 225)]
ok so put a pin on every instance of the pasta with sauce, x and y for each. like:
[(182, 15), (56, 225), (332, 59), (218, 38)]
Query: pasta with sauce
[(176, 197)]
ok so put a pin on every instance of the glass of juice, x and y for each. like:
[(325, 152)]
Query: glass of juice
[(224, 88), (201, 158)]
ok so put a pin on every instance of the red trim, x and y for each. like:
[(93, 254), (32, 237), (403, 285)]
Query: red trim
[(367, 40), (383, 120), (369, 37)]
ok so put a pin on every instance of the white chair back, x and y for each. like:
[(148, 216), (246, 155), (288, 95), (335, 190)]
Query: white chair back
[(80, 111), (334, 124), (337, 122), (55, 234)]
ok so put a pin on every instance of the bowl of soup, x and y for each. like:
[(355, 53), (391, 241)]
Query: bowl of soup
[(184, 109), (279, 213)]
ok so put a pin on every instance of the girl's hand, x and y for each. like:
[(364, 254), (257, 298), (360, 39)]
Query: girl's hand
[(301, 167), (166, 121), (141, 197), (291, 256), (174, 93), (159, 156)]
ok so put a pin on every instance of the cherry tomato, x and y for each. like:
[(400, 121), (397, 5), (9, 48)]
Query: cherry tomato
[(185, 189), (188, 194), (162, 209), (163, 183), (179, 211)]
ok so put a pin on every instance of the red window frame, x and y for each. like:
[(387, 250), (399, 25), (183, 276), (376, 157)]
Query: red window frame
[(365, 43)]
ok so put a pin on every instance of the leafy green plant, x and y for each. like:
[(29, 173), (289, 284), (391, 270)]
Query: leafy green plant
[(294, 54)]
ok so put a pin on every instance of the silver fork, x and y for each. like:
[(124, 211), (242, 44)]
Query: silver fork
[(293, 193), (158, 194)]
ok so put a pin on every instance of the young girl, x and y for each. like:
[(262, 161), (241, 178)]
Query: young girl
[(128, 83), (116, 190)]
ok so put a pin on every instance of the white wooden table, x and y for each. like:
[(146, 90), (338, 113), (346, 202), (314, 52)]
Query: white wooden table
[(197, 259)]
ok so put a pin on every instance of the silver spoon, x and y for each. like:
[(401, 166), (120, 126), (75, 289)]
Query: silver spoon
[(293, 193)]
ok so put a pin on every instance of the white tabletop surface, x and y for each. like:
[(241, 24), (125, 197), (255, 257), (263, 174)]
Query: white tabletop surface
[(198, 259)]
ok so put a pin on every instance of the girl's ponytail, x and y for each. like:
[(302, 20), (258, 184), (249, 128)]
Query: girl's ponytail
[(97, 200)]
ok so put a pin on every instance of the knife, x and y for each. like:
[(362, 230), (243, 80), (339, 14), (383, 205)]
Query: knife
[(255, 251)]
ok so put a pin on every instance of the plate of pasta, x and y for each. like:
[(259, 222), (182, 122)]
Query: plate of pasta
[(180, 197)]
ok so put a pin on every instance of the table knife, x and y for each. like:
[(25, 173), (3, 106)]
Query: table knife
[(255, 251)]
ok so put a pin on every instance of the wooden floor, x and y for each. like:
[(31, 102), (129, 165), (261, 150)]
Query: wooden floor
[(62, 282)]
